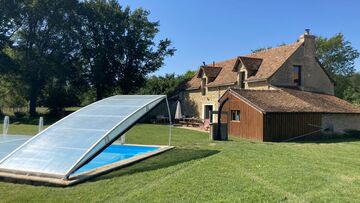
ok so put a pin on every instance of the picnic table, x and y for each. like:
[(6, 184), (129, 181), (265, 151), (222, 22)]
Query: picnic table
[(195, 122)]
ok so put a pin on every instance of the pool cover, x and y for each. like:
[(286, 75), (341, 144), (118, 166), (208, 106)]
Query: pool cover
[(70, 143), (9, 143)]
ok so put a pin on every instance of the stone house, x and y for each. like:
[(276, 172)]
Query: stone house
[(292, 66)]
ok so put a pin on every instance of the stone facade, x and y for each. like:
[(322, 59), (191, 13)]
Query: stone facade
[(259, 85), (340, 123), (193, 102), (313, 76)]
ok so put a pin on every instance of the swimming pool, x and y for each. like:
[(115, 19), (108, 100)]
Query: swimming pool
[(114, 156), (115, 153)]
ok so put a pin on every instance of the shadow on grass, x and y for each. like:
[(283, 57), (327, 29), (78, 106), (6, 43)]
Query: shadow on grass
[(164, 160), (327, 141), (349, 136)]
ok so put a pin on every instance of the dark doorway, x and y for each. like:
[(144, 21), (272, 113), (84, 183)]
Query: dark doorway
[(207, 110)]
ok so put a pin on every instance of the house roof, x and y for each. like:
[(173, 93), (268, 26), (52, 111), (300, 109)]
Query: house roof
[(266, 63), (291, 100), (226, 75), (273, 59), (210, 71), (251, 63)]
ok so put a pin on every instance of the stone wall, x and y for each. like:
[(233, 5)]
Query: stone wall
[(260, 85), (313, 77), (193, 102), (339, 123)]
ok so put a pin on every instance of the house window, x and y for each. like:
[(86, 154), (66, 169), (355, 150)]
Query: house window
[(203, 84), (297, 75), (242, 79), (235, 115)]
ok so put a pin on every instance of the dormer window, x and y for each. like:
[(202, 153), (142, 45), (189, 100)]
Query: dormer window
[(242, 79), (297, 75)]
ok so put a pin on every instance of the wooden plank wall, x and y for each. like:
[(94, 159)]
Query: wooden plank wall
[(250, 125), (282, 126)]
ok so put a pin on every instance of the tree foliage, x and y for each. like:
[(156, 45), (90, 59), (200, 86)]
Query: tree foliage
[(11, 94), (9, 24), (118, 47), (336, 54), (352, 90), (42, 45), (53, 47), (167, 85)]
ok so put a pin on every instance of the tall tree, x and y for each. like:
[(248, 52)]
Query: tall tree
[(102, 42), (43, 45), (118, 47), (9, 24), (338, 56), (352, 90), (142, 54)]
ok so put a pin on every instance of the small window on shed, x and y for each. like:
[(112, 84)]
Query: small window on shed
[(235, 115), (297, 75)]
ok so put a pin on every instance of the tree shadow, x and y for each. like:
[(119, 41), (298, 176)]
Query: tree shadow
[(327, 141), (349, 136), (164, 160)]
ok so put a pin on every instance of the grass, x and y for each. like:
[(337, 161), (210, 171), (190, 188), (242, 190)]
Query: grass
[(199, 170)]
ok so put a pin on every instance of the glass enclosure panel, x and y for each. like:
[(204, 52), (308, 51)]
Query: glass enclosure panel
[(59, 149), (155, 125), (8, 143)]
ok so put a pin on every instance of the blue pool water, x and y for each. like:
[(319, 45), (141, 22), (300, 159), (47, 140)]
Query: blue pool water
[(115, 153)]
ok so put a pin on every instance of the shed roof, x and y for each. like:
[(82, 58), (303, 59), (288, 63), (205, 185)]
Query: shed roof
[(291, 100)]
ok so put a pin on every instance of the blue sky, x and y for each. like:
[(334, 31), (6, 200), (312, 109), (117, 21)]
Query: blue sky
[(215, 30)]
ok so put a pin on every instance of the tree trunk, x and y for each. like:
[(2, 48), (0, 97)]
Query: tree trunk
[(32, 105), (99, 93), (33, 100)]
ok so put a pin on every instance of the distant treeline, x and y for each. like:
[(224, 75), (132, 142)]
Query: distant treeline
[(69, 52)]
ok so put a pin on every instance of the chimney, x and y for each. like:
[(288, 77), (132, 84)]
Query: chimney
[(309, 44)]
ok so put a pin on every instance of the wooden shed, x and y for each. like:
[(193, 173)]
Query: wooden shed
[(281, 114)]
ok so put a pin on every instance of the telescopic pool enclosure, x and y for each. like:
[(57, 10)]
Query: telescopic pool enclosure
[(82, 144)]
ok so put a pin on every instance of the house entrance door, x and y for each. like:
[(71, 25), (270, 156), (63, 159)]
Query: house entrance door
[(207, 112)]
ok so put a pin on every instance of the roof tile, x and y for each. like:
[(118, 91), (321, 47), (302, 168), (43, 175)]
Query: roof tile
[(273, 59), (265, 62), (290, 100)]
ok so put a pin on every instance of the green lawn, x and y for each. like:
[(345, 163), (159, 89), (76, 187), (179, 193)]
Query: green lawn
[(201, 171)]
